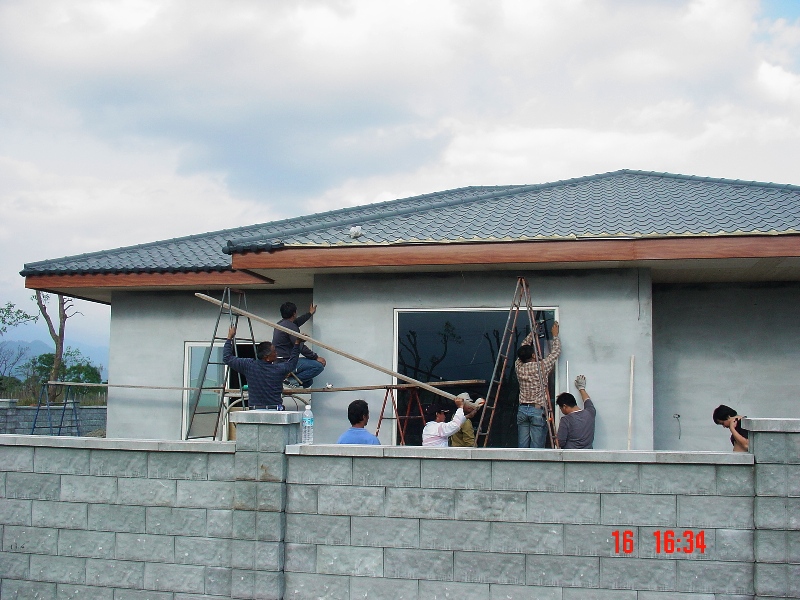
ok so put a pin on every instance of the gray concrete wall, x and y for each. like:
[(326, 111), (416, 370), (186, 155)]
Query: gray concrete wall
[(261, 518), (148, 333), (18, 420), (734, 344), (605, 318)]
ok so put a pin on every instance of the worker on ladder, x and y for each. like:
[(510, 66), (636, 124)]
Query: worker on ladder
[(264, 375), (310, 364), (532, 377)]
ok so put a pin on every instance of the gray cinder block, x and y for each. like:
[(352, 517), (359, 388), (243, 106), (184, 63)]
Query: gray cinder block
[(451, 589), (30, 540), (310, 586), (115, 573), (677, 479), (525, 592), (269, 585), (274, 438), (395, 472), (270, 496), (404, 563), (91, 544), (301, 498), (328, 470), (715, 577), (90, 489), (212, 552), (735, 545), (270, 527), (735, 480), (528, 476), (65, 515), (771, 580), (772, 479), (14, 566), (271, 467), (584, 594), (27, 590), (473, 535), (177, 465), (598, 540), (217, 583), (384, 532), (350, 560), (727, 511), (118, 463), (165, 520), (556, 507), (490, 505), (446, 474), (245, 466), (60, 569), (112, 517), (16, 512), (485, 567), (411, 502), (564, 571), (644, 509), (83, 592), (527, 538), (174, 578), (65, 461), (244, 525), (16, 458), (219, 523), (269, 556), (351, 500), (317, 529), (35, 486), (149, 492), (769, 447), (637, 574), (142, 595), (301, 558), (220, 466), (205, 494), (145, 547), (601, 477), (384, 589), (771, 546)]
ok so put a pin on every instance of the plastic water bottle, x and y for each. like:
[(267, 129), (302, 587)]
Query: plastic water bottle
[(307, 434)]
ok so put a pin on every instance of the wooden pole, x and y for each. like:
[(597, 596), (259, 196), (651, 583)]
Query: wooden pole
[(630, 406), (307, 338)]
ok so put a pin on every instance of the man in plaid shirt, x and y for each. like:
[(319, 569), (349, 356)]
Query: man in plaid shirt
[(531, 424)]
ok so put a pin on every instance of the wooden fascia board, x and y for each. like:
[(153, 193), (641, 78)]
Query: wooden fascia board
[(144, 280), (684, 248)]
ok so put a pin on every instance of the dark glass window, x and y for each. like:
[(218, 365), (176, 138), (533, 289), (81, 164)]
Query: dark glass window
[(453, 345)]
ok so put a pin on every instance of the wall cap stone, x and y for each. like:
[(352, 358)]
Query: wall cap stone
[(117, 443), (266, 417), (522, 454), (775, 425)]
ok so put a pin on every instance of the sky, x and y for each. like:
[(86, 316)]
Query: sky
[(130, 121)]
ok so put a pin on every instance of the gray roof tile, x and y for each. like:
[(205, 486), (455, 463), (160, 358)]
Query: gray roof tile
[(623, 203)]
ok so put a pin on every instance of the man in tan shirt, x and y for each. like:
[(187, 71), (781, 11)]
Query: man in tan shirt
[(532, 376)]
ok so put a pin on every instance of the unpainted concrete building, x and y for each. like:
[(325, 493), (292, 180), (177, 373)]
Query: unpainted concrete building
[(697, 279)]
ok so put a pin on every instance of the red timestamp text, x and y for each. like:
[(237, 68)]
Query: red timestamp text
[(667, 541)]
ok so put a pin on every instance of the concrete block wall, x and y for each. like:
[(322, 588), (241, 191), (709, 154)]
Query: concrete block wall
[(418, 523), (265, 518), (18, 420), (775, 443)]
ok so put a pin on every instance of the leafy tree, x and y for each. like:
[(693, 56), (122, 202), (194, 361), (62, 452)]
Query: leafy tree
[(10, 358), (74, 367), (11, 316)]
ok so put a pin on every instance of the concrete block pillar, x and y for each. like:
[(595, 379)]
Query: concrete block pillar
[(259, 517), (775, 444)]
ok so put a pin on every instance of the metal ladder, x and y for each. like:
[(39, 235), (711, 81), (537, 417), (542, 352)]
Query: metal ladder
[(205, 418), (522, 300), (69, 400)]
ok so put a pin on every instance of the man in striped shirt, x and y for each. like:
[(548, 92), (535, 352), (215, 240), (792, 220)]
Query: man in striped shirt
[(532, 376)]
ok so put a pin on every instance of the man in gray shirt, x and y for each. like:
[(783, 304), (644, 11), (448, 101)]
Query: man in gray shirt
[(576, 429)]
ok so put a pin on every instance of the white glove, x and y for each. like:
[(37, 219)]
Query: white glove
[(580, 382)]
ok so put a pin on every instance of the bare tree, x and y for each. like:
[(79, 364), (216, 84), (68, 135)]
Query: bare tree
[(10, 358), (65, 311)]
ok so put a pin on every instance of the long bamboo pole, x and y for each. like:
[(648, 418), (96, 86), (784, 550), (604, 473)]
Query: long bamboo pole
[(307, 338)]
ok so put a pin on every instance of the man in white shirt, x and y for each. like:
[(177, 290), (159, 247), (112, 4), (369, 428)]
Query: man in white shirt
[(438, 430)]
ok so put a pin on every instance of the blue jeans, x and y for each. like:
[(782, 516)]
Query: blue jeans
[(307, 369), (531, 427)]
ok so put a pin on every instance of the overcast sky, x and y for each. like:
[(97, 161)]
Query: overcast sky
[(128, 121)]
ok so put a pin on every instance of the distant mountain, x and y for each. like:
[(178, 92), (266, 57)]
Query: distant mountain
[(97, 355)]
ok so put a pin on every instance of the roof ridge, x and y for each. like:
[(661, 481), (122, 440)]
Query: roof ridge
[(750, 183), (255, 243), (222, 232)]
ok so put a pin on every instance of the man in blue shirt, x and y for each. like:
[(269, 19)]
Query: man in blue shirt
[(358, 415), (310, 363), (264, 375)]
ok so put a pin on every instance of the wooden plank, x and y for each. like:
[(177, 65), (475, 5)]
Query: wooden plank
[(140, 280), (399, 386), (568, 251)]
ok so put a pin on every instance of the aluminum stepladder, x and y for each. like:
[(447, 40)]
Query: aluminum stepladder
[(210, 400), (69, 400), (521, 301)]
